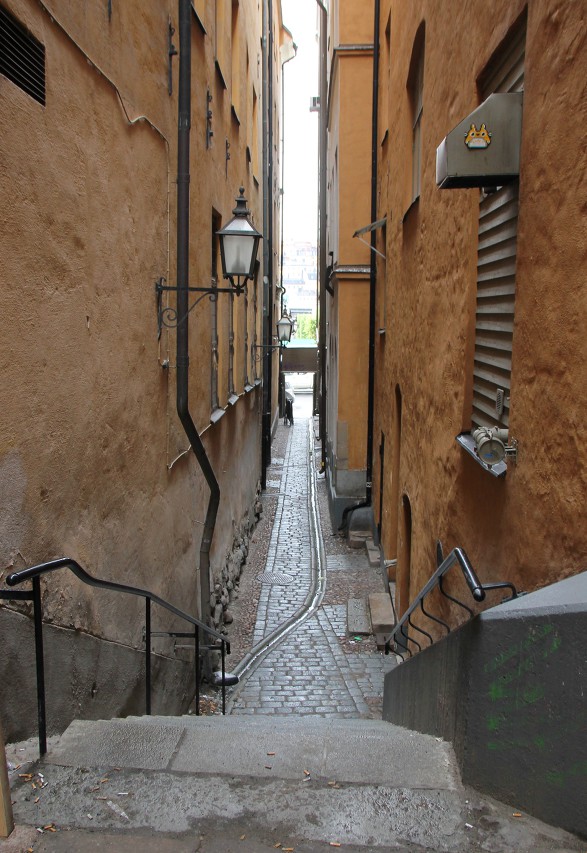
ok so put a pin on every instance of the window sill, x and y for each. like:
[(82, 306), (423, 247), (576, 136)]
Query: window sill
[(199, 20), (415, 203), (465, 439), (220, 74), (216, 415)]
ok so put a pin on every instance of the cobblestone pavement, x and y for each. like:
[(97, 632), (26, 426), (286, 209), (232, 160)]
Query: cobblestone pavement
[(316, 668)]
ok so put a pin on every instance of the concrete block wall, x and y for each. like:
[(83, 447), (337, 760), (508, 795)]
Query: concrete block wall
[(508, 690)]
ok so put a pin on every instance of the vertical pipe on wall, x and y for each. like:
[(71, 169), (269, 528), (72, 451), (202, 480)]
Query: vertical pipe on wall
[(183, 231), (322, 147), (373, 266), (268, 241)]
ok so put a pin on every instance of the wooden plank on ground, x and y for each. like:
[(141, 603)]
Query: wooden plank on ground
[(6, 819)]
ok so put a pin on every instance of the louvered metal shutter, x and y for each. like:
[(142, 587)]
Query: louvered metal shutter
[(496, 288), (22, 57), (496, 266)]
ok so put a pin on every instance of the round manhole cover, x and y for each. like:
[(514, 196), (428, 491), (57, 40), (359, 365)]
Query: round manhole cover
[(275, 578)]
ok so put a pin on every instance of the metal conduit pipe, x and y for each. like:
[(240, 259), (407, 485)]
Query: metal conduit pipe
[(373, 266), (183, 231)]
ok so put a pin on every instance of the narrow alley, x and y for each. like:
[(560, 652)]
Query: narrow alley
[(303, 661)]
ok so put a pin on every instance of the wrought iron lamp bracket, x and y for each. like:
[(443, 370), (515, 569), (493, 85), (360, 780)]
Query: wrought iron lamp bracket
[(168, 316), (264, 347)]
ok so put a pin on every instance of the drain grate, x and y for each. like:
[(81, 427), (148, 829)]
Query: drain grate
[(278, 578)]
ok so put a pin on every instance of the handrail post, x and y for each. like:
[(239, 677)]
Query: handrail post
[(148, 655), (39, 657), (6, 818), (197, 661)]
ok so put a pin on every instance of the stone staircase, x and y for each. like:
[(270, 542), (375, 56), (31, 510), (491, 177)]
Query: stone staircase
[(223, 784)]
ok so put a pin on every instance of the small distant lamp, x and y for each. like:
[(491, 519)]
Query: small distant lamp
[(239, 243), (284, 330)]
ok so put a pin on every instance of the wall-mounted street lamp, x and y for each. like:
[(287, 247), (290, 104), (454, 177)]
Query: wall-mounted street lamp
[(285, 327), (239, 244)]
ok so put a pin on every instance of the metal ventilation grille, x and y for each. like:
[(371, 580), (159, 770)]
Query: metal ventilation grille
[(496, 290), (22, 57)]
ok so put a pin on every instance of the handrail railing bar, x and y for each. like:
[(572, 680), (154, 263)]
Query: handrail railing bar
[(453, 599), (40, 662), (178, 634), (456, 555), (17, 595), (434, 618), (503, 585), (148, 656), (406, 636), (223, 681), (34, 574), (197, 662), (79, 572), (421, 631), (411, 639)]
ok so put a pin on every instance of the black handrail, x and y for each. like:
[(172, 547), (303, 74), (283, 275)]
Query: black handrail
[(34, 574), (456, 557)]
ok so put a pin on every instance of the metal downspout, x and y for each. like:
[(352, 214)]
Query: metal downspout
[(322, 147), (373, 266), (183, 230), (267, 85)]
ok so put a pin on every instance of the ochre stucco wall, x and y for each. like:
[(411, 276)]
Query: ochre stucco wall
[(529, 528), (93, 461), (349, 176)]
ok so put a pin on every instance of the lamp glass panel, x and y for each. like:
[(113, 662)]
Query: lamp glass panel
[(284, 327), (238, 249)]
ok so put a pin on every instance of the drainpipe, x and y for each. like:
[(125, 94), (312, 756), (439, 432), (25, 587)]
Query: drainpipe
[(373, 266), (322, 147), (183, 231), (267, 74)]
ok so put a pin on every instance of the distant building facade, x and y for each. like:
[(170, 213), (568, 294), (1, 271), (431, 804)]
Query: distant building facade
[(350, 63)]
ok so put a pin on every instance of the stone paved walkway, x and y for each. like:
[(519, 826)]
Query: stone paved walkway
[(315, 668)]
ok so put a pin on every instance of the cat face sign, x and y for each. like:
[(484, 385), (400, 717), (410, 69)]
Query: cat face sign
[(478, 138)]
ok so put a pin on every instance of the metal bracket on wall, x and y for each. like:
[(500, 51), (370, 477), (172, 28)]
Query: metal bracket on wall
[(209, 131), (227, 155), (171, 52)]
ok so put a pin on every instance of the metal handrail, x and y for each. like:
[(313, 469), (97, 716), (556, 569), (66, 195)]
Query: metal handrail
[(478, 590), (34, 574)]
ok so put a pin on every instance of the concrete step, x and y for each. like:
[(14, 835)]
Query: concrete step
[(353, 751), (358, 620), (246, 785), (381, 616)]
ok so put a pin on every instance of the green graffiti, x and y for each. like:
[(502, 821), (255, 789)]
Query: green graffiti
[(539, 742), (532, 694), (497, 691), (493, 723), (536, 635), (556, 779)]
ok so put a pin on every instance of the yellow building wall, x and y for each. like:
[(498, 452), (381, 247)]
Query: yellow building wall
[(93, 461), (529, 528)]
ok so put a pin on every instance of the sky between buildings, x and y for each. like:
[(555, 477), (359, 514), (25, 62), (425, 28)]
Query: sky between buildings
[(300, 198)]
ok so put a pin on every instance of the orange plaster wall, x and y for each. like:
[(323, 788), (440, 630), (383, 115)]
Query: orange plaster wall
[(531, 527), (356, 22), (354, 156), (353, 329), (93, 461)]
